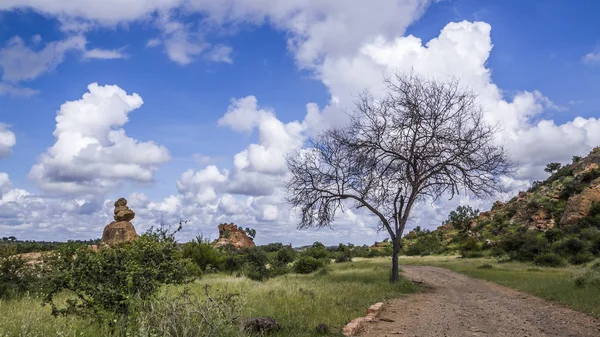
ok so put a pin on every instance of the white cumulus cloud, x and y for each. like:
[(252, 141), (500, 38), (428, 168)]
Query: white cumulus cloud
[(92, 153)]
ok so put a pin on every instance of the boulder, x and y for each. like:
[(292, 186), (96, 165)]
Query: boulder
[(121, 230), (230, 234), (541, 220), (118, 232), (260, 325), (579, 205), (322, 329)]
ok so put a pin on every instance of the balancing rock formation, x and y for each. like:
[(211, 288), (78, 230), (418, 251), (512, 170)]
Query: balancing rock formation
[(121, 230)]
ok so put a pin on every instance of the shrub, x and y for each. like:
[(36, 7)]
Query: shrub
[(486, 266), (307, 265), (106, 283), (343, 257), (569, 246), (202, 253), (553, 234), (590, 277), (524, 246), (317, 251), (549, 260), (256, 264), (187, 314), (472, 254), (470, 248), (285, 255), (595, 246), (581, 258), (16, 277), (426, 243)]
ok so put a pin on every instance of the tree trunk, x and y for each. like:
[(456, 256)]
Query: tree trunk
[(395, 270)]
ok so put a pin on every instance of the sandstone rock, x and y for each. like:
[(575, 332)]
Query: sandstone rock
[(260, 325), (380, 245), (497, 205), (230, 234), (358, 324), (588, 168), (127, 215), (121, 230), (541, 220), (579, 205)]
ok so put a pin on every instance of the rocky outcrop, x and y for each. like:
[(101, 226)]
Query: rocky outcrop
[(230, 234), (579, 205), (380, 245), (121, 230), (541, 220)]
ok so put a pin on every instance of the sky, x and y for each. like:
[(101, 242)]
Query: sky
[(188, 108)]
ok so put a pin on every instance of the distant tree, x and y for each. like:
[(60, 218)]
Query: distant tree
[(552, 167), (251, 232), (318, 245), (576, 159), (462, 217), (424, 139)]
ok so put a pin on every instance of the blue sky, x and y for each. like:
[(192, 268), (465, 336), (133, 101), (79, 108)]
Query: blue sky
[(261, 63)]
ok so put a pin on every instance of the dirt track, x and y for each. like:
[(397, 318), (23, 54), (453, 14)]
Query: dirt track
[(455, 306)]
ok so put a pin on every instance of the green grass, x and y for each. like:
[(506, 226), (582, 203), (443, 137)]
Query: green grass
[(554, 284), (298, 302)]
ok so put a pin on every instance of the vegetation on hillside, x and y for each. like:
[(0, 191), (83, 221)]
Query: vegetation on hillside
[(549, 225)]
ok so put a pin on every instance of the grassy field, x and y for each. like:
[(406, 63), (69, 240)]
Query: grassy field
[(555, 284), (298, 302)]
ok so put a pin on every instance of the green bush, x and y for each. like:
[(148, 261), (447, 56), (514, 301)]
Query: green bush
[(343, 257), (16, 277), (553, 234), (569, 246), (104, 284), (256, 264), (581, 258), (202, 253), (549, 260), (426, 243), (590, 277), (307, 265), (285, 255), (524, 246), (317, 251), (470, 248)]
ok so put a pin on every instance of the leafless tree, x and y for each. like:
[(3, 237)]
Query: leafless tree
[(423, 140)]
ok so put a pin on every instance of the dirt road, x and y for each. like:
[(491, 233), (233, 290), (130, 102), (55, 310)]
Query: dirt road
[(458, 306)]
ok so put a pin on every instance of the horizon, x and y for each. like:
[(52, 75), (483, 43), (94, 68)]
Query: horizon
[(188, 108)]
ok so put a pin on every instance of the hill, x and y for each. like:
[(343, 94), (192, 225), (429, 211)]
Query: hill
[(556, 220)]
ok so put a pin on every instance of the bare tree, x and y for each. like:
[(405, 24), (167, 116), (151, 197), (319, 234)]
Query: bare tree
[(423, 140)]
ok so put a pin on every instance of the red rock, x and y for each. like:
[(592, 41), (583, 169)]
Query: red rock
[(230, 234)]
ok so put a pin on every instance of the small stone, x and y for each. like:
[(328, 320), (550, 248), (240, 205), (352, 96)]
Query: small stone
[(260, 325), (322, 328)]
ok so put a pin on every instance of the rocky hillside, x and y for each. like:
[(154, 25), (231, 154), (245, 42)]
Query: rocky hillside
[(558, 215), (563, 200)]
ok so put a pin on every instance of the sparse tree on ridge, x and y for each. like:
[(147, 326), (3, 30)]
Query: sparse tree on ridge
[(552, 167), (424, 139)]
